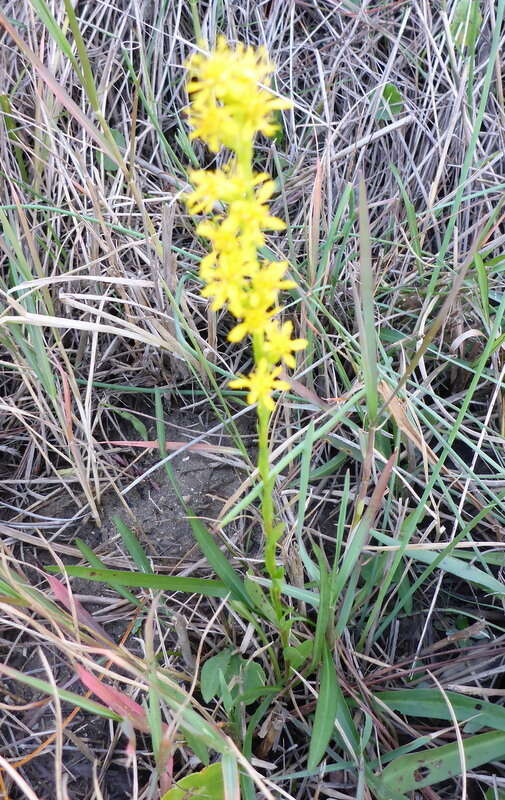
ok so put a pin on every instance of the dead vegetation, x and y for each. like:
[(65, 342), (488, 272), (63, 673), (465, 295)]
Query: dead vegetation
[(114, 370)]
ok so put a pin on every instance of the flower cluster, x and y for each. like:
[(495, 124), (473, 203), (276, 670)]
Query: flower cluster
[(227, 109)]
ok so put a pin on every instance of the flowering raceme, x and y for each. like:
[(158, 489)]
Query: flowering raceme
[(228, 108)]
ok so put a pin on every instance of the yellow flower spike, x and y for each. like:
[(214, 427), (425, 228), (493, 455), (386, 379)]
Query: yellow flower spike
[(228, 108), (261, 383), (227, 104)]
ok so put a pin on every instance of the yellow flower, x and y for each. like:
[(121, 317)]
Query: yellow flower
[(211, 188), (225, 185), (261, 383), (268, 281), (226, 278), (250, 217), (227, 105), (279, 345), (255, 318), (226, 239), (228, 108)]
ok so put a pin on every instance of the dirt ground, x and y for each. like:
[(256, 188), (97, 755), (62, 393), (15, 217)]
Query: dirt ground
[(153, 511)]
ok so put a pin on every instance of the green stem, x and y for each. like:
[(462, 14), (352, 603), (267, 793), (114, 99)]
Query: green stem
[(267, 506), (271, 531)]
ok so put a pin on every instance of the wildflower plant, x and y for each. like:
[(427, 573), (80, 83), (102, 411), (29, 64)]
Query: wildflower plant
[(230, 103)]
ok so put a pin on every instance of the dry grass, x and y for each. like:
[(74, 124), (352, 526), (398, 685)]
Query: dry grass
[(100, 315)]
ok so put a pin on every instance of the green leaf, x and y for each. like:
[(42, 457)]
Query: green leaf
[(167, 583), (366, 309), (451, 564), (205, 785), (224, 693), (428, 703), (326, 711), (254, 679), (132, 419), (296, 656), (325, 608), (231, 778), (209, 675), (494, 794), (93, 559), (259, 599), (108, 164), (483, 282), (391, 103), (431, 766), (132, 544), (466, 24), (197, 746), (219, 562)]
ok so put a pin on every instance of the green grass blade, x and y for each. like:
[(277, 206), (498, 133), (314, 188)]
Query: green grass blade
[(428, 703), (63, 694), (366, 314), (86, 72), (429, 767), (325, 609), (326, 711), (451, 564), (97, 563), (219, 562), (231, 780), (165, 583), (132, 544), (359, 535)]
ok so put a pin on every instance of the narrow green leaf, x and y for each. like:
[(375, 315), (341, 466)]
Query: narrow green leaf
[(231, 780), (326, 711), (362, 529), (428, 703), (431, 766), (97, 563), (482, 280), (466, 24), (166, 583), (155, 726), (451, 564), (198, 747), (325, 608), (10, 126), (219, 562), (365, 314), (415, 236), (63, 694), (205, 785), (132, 544), (86, 72), (133, 419)]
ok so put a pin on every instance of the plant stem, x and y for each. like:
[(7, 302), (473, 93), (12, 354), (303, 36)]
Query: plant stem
[(271, 532)]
